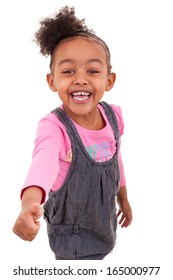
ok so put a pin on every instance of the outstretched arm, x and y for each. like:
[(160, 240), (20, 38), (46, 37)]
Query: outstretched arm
[(27, 224)]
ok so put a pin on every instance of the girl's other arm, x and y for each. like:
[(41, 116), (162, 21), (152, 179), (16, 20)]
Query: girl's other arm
[(124, 208)]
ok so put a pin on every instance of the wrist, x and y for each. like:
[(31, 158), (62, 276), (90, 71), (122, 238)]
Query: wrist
[(31, 195)]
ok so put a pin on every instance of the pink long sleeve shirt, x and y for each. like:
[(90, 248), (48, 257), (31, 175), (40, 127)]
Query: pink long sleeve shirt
[(52, 152)]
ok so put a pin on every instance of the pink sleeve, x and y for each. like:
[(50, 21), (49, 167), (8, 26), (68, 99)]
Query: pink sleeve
[(45, 160), (120, 120)]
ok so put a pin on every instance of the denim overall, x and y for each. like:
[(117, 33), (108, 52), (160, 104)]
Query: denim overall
[(81, 215)]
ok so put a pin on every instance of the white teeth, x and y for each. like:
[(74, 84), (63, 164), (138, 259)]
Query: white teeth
[(79, 93), (80, 98)]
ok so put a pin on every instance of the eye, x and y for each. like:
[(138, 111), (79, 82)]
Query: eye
[(93, 71), (68, 71)]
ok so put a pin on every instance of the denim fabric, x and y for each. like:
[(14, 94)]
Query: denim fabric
[(81, 215)]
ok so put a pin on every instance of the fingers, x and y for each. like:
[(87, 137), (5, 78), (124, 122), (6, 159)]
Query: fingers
[(20, 233), (119, 212), (125, 219), (27, 230)]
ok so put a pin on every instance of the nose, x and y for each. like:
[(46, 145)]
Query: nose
[(80, 79)]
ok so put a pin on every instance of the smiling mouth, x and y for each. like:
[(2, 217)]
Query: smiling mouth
[(80, 96)]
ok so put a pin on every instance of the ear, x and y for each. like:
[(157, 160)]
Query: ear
[(110, 81), (50, 81)]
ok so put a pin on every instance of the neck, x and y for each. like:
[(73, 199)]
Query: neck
[(92, 121)]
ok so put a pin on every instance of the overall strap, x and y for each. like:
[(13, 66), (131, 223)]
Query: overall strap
[(64, 118), (72, 130), (112, 120)]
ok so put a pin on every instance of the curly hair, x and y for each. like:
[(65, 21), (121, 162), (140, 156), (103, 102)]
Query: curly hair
[(63, 25)]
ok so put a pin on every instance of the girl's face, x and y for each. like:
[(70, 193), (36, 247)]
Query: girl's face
[(79, 74)]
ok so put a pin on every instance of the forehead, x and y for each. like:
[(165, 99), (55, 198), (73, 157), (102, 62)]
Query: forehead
[(81, 47)]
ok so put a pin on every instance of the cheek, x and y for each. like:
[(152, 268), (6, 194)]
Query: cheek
[(61, 85), (102, 83)]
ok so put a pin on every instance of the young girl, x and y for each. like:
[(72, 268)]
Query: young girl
[(76, 158)]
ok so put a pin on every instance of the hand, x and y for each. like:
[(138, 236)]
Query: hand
[(27, 224), (125, 213)]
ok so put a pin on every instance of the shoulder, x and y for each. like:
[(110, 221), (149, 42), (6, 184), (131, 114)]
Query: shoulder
[(50, 128), (119, 116), (50, 122), (118, 113)]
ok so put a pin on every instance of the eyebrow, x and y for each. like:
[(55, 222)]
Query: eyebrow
[(88, 61)]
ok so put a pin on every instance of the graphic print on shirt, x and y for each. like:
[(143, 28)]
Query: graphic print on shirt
[(69, 156), (99, 152)]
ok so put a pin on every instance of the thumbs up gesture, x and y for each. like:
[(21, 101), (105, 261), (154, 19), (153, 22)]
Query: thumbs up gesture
[(27, 224)]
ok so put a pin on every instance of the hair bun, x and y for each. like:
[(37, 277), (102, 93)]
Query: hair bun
[(62, 25)]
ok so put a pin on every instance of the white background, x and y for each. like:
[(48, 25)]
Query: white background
[(139, 34)]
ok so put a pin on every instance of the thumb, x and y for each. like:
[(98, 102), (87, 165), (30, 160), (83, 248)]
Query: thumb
[(37, 210)]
